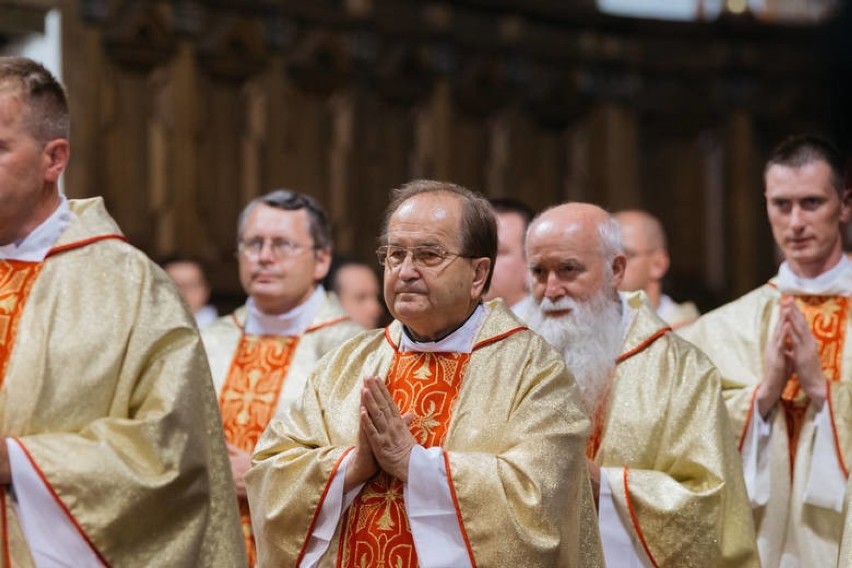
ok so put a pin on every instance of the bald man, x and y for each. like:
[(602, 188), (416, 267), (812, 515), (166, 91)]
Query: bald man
[(647, 263), (661, 452)]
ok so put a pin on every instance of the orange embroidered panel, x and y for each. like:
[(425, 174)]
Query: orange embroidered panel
[(249, 399), (376, 530), (16, 281), (826, 316)]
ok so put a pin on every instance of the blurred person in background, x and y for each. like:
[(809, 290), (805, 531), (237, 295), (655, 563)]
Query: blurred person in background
[(189, 277), (647, 253), (261, 355)]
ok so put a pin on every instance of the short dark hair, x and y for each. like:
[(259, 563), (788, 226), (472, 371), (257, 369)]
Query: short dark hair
[(478, 231), (512, 205), (802, 149), (44, 97), (290, 200), (339, 261)]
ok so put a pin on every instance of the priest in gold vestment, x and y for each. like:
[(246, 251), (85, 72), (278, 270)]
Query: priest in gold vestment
[(261, 355), (661, 451), (112, 451), (786, 364), (454, 437)]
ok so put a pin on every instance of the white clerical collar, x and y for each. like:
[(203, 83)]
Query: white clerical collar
[(294, 322), (35, 246), (459, 341), (836, 281)]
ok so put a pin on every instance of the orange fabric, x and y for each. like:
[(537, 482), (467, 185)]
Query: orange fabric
[(826, 316), (249, 398), (376, 531), (16, 281)]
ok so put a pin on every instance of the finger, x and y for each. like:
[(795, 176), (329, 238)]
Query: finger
[(408, 418), (374, 411)]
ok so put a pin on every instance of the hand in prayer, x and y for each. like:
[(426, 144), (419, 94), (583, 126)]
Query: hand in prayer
[(803, 354), (240, 464), (386, 430), (363, 464)]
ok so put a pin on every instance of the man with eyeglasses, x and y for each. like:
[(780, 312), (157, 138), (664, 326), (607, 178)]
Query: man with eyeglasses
[(647, 263), (262, 354), (454, 437)]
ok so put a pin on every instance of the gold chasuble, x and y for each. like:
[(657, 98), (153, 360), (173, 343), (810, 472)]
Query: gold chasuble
[(376, 531), (735, 337), (251, 373), (508, 419), (105, 388), (674, 470)]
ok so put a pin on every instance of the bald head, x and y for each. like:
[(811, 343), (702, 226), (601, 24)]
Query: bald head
[(645, 248), (574, 250)]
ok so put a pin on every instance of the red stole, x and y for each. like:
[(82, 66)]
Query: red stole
[(826, 317), (249, 398), (16, 281), (375, 529)]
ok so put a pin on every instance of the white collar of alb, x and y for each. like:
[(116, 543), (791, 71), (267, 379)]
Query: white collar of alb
[(459, 341), (294, 322), (35, 246), (837, 281)]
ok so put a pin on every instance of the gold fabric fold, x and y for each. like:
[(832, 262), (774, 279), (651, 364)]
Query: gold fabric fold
[(666, 423), (109, 391), (735, 336), (515, 446)]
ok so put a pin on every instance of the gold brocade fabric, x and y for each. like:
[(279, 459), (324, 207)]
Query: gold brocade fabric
[(249, 397), (376, 531), (16, 279), (108, 391), (269, 372), (826, 316), (682, 492), (735, 337), (515, 447)]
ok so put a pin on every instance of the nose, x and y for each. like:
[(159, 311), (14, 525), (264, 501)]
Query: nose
[(265, 255), (797, 218), (553, 288), (407, 270)]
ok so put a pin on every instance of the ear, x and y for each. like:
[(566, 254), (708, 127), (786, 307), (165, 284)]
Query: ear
[(55, 157), (481, 267), (846, 206), (619, 264), (659, 264), (322, 262)]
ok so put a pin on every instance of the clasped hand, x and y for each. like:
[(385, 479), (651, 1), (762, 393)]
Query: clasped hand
[(791, 349), (384, 440)]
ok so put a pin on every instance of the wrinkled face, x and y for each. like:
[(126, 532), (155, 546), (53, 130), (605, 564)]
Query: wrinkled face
[(805, 212), (509, 280), (281, 273), (190, 282), (431, 301), (27, 168), (565, 260), (358, 292)]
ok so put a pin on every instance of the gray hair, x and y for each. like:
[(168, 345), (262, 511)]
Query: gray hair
[(290, 200), (44, 97), (609, 234)]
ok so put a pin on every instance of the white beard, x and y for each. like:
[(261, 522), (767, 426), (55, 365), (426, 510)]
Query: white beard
[(589, 338)]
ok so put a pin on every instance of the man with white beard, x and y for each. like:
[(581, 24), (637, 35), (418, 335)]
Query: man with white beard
[(661, 453)]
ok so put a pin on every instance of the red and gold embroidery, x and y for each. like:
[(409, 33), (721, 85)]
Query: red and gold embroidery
[(250, 396), (16, 281), (826, 316), (376, 530)]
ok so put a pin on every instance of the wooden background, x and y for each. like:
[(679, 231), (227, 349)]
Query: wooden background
[(184, 110)]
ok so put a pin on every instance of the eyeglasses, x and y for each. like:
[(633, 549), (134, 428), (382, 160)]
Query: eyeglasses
[(280, 248), (424, 256)]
